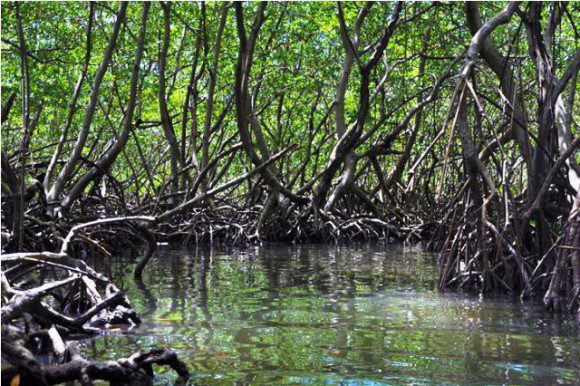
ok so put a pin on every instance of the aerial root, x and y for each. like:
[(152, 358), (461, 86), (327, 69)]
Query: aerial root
[(41, 316)]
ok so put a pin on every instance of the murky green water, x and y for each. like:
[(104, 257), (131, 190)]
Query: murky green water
[(335, 316)]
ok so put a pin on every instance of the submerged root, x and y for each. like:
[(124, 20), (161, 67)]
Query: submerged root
[(49, 298), (478, 256), (134, 370)]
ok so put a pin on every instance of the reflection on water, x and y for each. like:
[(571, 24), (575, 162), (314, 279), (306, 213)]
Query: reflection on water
[(334, 315)]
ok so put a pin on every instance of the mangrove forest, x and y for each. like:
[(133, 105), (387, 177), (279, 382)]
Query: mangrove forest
[(349, 193)]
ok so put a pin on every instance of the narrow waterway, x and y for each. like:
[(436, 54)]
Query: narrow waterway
[(357, 315)]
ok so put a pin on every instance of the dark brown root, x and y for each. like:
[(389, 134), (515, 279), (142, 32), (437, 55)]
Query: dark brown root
[(40, 314)]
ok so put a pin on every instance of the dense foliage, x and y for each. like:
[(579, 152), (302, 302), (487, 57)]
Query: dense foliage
[(241, 122)]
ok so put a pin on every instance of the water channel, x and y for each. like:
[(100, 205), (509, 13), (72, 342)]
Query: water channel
[(334, 315)]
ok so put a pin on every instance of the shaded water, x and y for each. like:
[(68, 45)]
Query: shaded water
[(362, 315)]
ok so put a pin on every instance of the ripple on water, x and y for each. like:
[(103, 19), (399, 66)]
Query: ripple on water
[(358, 315)]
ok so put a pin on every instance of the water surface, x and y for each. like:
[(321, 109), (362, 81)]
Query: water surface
[(330, 315)]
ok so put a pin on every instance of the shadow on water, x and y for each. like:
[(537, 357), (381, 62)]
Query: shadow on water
[(357, 315)]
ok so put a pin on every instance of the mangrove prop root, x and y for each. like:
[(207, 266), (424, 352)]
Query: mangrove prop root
[(134, 370), (503, 165), (38, 315)]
